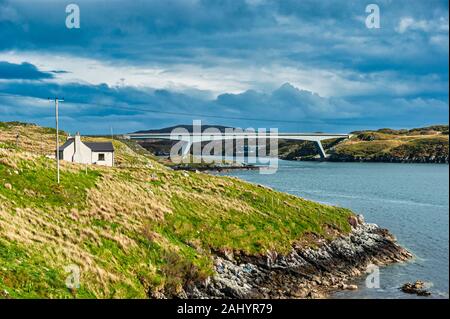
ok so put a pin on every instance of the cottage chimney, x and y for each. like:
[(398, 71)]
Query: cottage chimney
[(77, 140), (77, 155)]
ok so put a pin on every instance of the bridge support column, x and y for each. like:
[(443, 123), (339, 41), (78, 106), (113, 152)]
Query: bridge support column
[(186, 148), (322, 153)]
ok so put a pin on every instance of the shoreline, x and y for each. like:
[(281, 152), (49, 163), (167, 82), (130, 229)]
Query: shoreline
[(314, 272), (214, 168), (246, 167), (225, 169), (393, 161)]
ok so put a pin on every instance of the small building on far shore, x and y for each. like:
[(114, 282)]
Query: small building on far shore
[(98, 153)]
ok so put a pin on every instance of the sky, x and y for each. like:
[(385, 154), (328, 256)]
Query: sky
[(294, 65)]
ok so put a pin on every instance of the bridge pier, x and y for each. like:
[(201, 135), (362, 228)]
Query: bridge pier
[(186, 148), (322, 153)]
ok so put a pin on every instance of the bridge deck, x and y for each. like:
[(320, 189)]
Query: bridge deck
[(190, 138), (234, 134)]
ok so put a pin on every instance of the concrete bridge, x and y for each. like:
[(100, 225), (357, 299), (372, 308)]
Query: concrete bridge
[(190, 138)]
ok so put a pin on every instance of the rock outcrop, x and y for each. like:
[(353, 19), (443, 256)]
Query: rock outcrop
[(431, 159), (417, 288), (303, 273)]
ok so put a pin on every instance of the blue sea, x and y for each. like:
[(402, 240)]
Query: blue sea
[(411, 200)]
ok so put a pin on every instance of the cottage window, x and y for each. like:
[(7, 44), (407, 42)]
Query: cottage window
[(101, 157)]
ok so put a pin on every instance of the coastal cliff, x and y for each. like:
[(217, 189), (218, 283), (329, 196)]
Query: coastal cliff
[(305, 272)]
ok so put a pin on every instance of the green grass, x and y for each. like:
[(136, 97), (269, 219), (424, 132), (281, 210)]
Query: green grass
[(379, 145), (272, 220), (7, 125), (365, 149), (26, 274), (33, 184), (8, 145), (423, 147)]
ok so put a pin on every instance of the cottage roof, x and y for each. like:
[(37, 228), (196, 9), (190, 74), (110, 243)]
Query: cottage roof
[(100, 146), (94, 146), (66, 144)]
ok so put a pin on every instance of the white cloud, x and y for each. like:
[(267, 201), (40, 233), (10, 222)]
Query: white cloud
[(185, 77), (85, 70), (230, 76), (409, 23), (440, 40)]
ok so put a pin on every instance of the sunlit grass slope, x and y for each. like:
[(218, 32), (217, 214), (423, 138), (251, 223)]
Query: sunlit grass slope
[(136, 229)]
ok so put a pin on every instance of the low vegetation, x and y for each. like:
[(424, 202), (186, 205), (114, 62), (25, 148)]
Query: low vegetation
[(136, 229), (429, 144)]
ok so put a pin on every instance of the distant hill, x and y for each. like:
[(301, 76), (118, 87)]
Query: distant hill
[(162, 147), (188, 127), (419, 145), (428, 130)]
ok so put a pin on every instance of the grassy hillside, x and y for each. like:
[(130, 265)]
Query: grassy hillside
[(429, 144), (416, 145), (137, 229)]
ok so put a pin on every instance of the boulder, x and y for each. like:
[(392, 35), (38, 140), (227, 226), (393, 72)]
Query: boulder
[(415, 288), (360, 219), (356, 221)]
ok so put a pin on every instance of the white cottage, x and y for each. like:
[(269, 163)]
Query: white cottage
[(99, 153)]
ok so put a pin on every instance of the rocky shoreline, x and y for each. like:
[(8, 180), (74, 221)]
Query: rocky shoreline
[(391, 159), (221, 169), (304, 273), (384, 159)]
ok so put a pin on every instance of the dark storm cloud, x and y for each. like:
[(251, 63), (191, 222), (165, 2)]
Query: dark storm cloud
[(25, 71), (404, 64), (95, 108), (317, 32)]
